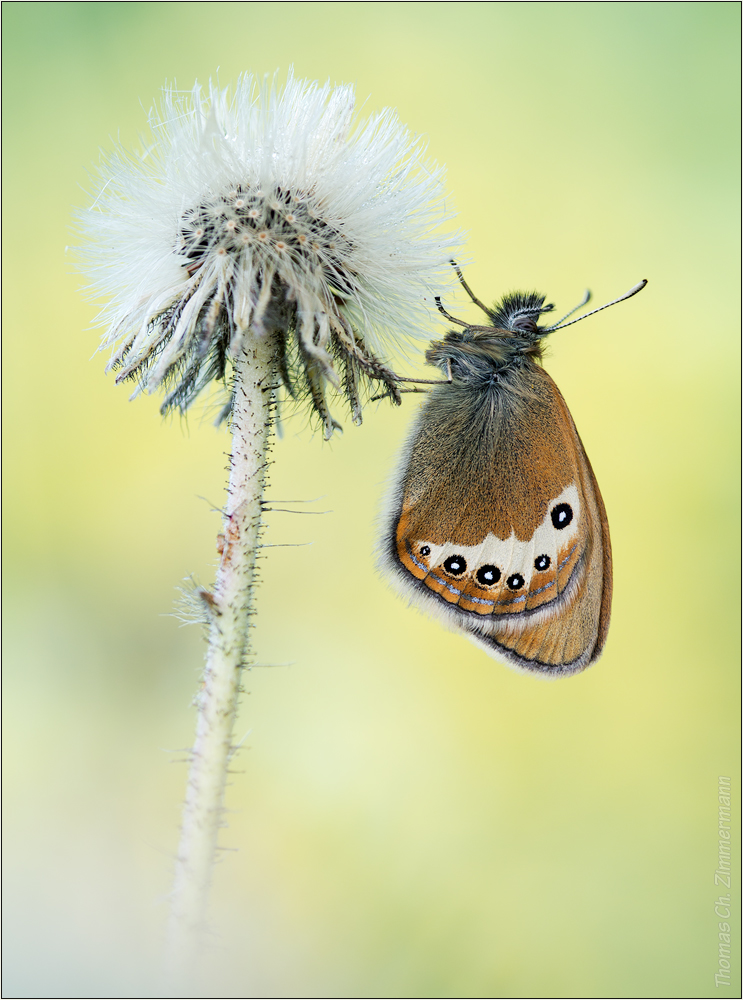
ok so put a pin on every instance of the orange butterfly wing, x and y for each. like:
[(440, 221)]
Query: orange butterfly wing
[(498, 526)]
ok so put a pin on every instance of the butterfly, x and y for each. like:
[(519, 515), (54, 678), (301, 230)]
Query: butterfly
[(495, 522)]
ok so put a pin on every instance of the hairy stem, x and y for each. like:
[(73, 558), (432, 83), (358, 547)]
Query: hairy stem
[(230, 609)]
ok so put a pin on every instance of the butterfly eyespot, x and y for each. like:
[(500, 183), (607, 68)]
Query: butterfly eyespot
[(425, 550), (515, 581), (562, 515), (488, 575), (542, 562), (455, 565)]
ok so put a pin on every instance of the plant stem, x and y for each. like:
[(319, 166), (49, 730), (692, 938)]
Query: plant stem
[(230, 608)]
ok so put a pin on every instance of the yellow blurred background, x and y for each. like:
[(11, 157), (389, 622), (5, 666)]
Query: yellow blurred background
[(408, 817)]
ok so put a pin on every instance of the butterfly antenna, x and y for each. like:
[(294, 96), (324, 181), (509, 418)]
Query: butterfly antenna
[(459, 322), (583, 302), (627, 295), (467, 289)]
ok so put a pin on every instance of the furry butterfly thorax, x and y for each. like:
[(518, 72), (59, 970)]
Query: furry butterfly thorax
[(495, 522)]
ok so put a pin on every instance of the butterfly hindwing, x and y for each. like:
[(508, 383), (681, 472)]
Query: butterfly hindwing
[(497, 524)]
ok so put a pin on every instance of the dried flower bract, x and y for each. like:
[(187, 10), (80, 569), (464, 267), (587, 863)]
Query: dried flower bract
[(269, 212)]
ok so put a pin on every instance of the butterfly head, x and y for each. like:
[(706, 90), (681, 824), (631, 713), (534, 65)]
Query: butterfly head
[(512, 339), (478, 354), (518, 314)]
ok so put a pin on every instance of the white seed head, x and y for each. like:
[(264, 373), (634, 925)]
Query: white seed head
[(195, 246)]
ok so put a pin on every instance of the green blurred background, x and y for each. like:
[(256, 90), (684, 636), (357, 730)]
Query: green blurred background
[(408, 818)]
